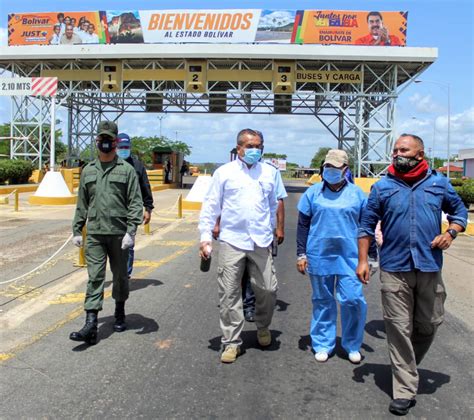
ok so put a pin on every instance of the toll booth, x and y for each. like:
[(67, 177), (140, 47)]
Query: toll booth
[(161, 156)]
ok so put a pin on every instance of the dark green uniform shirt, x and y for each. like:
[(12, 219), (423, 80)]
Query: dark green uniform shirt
[(109, 199)]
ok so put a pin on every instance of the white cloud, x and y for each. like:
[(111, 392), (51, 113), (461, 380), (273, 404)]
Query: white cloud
[(425, 104), (434, 131), (277, 19), (213, 136)]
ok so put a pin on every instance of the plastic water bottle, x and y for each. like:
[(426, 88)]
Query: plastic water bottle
[(206, 262)]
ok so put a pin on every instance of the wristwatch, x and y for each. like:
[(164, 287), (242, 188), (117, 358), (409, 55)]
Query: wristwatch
[(453, 233)]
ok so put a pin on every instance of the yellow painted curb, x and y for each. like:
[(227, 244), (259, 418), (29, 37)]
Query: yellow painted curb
[(162, 187), (7, 189), (191, 205), (52, 201)]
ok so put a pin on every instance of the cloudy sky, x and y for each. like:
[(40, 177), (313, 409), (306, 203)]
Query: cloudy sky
[(421, 109)]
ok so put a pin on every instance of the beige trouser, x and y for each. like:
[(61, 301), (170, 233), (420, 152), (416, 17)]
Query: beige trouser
[(413, 308), (232, 262)]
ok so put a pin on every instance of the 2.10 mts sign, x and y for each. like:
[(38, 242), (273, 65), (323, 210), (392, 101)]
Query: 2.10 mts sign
[(35, 86)]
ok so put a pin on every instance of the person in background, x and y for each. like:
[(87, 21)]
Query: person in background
[(329, 216), (69, 37), (183, 171), (93, 38), (62, 25), (167, 168), (84, 32), (124, 146), (378, 32), (56, 37)]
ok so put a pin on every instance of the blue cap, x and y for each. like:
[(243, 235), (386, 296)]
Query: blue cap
[(123, 139)]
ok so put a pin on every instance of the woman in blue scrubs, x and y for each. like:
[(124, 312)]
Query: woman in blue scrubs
[(329, 215)]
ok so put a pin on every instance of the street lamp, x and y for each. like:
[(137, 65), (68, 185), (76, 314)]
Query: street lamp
[(161, 118), (446, 85), (434, 140)]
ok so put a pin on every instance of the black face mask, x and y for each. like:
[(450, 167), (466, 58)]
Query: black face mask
[(405, 164), (105, 145)]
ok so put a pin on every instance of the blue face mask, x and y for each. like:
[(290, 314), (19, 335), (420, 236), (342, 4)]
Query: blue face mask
[(333, 175), (123, 153), (252, 156)]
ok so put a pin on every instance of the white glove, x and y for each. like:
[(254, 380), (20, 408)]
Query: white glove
[(77, 241), (373, 266), (128, 241)]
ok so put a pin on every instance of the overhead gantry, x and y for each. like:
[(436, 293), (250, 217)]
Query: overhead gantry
[(351, 90)]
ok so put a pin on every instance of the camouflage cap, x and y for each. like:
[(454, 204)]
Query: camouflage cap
[(108, 128), (337, 158)]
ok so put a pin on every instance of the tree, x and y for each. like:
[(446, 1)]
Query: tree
[(274, 156), (318, 158), (207, 167), (438, 162), (180, 146), (4, 144), (142, 147)]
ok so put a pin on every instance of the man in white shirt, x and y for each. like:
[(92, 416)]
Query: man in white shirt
[(69, 37), (56, 37), (93, 37), (84, 32), (243, 194)]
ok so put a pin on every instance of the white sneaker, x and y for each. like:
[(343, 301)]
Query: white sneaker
[(321, 356), (355, 357)]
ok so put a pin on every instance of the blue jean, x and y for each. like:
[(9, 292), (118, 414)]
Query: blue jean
[(131, 256), (248, 296), (350, 296)]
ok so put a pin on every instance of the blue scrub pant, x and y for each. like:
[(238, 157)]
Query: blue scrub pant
[(353, 312)]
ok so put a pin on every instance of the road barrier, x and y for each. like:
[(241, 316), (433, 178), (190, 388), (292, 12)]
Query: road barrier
[(180, 206), (6, 199)]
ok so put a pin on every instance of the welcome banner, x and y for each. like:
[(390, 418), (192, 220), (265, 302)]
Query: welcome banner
[(209, 26), (236, 26)]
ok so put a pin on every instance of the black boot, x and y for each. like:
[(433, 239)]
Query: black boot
[(88, 333), (119, 324)]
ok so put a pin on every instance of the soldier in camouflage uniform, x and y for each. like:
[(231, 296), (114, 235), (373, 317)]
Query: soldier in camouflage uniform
[(109, 199)]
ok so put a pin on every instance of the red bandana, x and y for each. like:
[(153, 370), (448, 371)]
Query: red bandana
[(415, 175)]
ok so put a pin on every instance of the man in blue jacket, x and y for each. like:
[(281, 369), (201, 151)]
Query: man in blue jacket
[(124, 148), (409, 202)]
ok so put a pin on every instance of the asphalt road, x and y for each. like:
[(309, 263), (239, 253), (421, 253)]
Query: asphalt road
[(166, 365)]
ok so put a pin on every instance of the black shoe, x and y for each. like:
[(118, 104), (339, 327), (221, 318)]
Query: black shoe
[(401, 406), (249, 316), (119, 324), (88, 333)]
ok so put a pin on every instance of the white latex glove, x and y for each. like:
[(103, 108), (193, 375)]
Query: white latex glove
[(77, 241), (128, 241), (373, 266)]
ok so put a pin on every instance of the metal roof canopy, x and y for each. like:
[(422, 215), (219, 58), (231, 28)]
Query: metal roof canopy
[(239, 78)]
